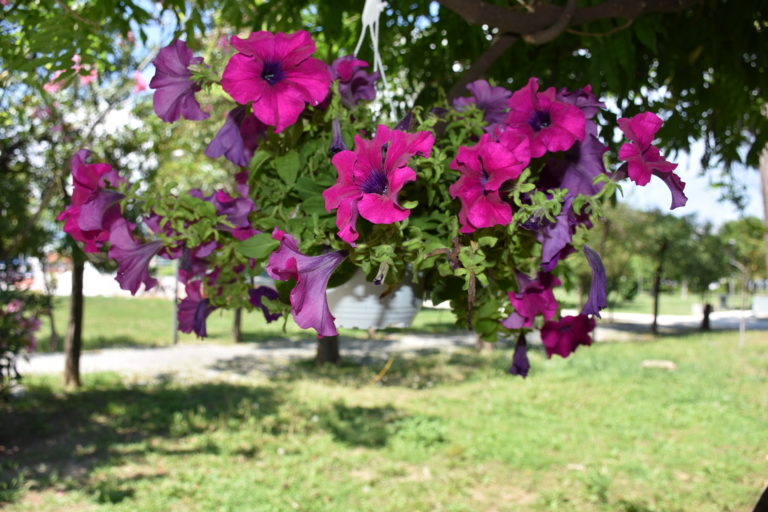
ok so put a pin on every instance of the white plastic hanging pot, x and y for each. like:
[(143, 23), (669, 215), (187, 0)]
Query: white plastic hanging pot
[(358, 304)]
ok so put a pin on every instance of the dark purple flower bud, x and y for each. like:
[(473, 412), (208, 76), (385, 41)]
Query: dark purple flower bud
[(255, 296), (597, 295), (406, 123), (238, 137), (337, 140), (520, 364), (174, 89)]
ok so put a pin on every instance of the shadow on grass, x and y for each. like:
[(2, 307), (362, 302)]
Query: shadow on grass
[(55, 437)]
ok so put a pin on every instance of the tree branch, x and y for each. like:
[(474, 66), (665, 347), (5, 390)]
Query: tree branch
[(554, 30), (519, 21)]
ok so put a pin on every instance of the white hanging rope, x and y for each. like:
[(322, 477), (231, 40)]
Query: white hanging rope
[(371, 13)]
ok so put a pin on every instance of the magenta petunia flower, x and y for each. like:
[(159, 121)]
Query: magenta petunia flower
[(194, 310), (534, 298), (549, 124), (238, 137), (563, 337), (371, 176), (484, 169), (491, 100), (93, 208), (309, 303), (174, 89), (643, 158), (277, 74), (132, 257)]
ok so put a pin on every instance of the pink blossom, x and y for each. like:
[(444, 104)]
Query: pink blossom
[(140, 83), (549, 124), (642, 157), (371, 176), (277, 74), (309, 303), (534, 298), (484, 168), (53, 86)]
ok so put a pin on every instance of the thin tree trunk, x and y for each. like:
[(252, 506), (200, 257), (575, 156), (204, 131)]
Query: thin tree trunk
[(237, 323), (764, 188), (327, 350), (53, 342), (74, 342), (657, 287)]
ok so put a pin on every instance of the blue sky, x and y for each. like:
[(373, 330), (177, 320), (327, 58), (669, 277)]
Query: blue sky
[(703, 200)]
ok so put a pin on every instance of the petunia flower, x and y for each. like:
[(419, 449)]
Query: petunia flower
[(583, 99), (549, 124), (577, 168), (255, 296), (355, 83), (193, 310), (276, 73), (534, 298), (484, 168), (236, 210), (491, 100), (132, 257), (642, 157), (597, 294), (555, 237), (174, 89), (238, 137), (371, 176), (520, 364), (337, 140), (93, 208), (309, 303), (563, 337)]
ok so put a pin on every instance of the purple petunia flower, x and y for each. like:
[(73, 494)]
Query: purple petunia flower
[(484, 168), (549, 124), (194, 261), (520, 365), (597, 293), (563, 337), (174, 89), (255, 296), (276, 73), (371, 176), (238, 137), (534, 298), (236, 211), (644, 159), (93, 209), (491, 100), (309, 303), (194, 310), (355, 83), (132, 257), (578, 167), (583, 99), (556, 237)]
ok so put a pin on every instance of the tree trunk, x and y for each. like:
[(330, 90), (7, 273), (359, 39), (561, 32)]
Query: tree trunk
[(657, 287), (74, 342), (53, 343), (327, 350), (705, 326), (764, 181), (237, 322)]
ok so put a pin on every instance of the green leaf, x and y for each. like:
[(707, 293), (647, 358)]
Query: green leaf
[(259, 246), (288, 167)]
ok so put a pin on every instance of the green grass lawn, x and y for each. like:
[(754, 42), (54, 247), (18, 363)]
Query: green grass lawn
[(595, 432), (115, 321)]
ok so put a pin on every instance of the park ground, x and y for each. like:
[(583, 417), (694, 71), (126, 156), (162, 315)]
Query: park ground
[(602, 430)]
